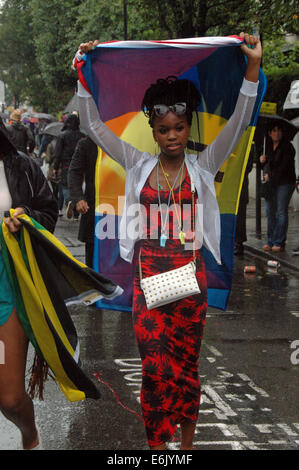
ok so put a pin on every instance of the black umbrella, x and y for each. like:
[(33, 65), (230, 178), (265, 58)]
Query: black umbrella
[(266, 120), (72, 105), (46, 117), (54, 128)]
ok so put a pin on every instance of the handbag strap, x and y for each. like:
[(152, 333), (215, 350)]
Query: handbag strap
[(140, 269), (193, 217), (193, 214)]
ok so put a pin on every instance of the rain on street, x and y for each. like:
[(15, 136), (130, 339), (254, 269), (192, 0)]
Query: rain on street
[(248, 370)]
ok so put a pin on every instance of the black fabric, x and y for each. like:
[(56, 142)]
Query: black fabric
[(21, 136), (66, 144), (280, 165), (73, 369), (265, 189), (28, 187), (79, 279), (82, 168)]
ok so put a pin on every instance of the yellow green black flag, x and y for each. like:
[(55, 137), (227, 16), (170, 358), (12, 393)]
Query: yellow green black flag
[(45, 279)]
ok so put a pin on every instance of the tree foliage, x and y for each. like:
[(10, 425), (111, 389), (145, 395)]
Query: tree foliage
[(277, 17), (17, 61), (53, 25), (195, 18), (41, 37)]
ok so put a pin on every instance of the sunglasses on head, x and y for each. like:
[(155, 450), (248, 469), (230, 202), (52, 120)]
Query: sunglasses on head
[(162, 109)]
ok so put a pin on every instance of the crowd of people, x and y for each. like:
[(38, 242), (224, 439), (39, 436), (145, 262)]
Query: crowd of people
[(68, 161)]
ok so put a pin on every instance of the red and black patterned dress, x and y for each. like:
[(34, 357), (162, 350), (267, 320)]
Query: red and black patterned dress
[(168, 337)]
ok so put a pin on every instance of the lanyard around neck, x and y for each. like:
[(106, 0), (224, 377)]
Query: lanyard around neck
[(163, 237)]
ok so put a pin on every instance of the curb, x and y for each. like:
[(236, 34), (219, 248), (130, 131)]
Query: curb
[(271, 256)]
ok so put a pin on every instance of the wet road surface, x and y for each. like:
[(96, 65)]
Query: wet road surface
[(248, 370)]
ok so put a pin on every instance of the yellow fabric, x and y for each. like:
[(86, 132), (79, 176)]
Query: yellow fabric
[(36, 299), (233, 169)]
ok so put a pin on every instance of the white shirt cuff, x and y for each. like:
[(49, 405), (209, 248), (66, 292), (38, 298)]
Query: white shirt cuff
[(249, 88), (82, 92)]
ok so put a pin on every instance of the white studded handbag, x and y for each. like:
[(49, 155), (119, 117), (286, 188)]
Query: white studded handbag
[(170, 286), (173, 285)]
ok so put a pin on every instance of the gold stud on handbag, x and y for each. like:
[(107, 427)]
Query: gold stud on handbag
[(173, 285)]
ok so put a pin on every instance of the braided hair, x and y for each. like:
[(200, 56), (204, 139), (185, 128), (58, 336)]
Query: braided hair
[(169, 91)]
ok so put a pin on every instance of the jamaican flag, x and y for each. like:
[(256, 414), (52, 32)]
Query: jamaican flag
[(45, 279)]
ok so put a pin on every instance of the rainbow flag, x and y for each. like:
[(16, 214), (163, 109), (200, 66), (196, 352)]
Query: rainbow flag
[(45, 279), (117, 74)]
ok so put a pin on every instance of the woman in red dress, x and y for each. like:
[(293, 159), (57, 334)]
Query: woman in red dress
[(169, 337)]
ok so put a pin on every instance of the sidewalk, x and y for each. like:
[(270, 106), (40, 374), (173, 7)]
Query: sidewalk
[(255, 245), (67, 232)]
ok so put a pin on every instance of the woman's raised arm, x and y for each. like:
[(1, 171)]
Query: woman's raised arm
[(220, 149), (125, 154)]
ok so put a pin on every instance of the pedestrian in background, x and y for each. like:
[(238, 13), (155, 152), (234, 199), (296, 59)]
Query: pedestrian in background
[(82, 171), (279, 171), (45, 140), (55, 180), (296, 250), (19, 134), (64, 149), (241, 232)]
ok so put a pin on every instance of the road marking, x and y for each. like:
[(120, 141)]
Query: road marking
[(219, 403), (213, 350), (211, 359), (221, 410), (253, 386), (287, 429)]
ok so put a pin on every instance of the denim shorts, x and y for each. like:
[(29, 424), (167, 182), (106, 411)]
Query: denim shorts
[(6, 295)]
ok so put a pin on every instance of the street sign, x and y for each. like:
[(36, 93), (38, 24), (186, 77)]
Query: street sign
[(268, 108)]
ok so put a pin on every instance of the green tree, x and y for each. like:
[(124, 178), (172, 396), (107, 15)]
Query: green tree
[(191, 18), (40, 38), (196, 18), (280, 54), (17, 60), (99, 19), (53, 24), (276, 17)]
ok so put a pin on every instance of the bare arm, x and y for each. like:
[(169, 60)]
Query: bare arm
[(252, 49)]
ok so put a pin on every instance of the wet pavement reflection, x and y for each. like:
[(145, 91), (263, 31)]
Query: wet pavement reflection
[(249, 381)]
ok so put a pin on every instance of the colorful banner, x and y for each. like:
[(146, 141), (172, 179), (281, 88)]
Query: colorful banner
[(117, 74), (45, 278)]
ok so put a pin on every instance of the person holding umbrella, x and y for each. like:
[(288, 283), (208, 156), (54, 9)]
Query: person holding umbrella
[(279, 170)]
